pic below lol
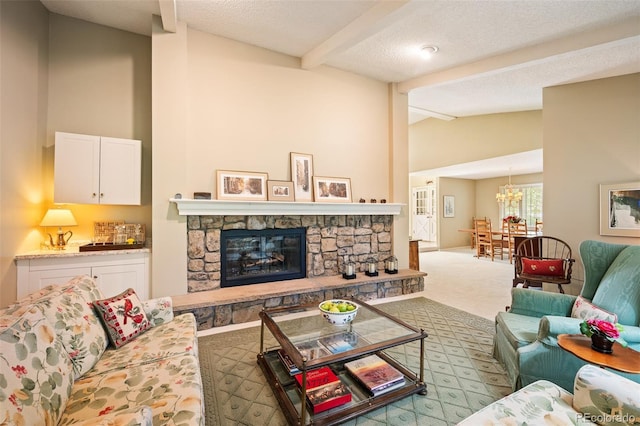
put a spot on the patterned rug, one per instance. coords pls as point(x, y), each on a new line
point(461, 375)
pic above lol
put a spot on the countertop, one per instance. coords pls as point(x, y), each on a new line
point(74, 251)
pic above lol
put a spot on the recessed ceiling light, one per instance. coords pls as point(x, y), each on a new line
point(428, 51)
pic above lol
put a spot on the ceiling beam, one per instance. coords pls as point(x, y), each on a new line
point(370, 22)
point(169, 15)
point(529, 55)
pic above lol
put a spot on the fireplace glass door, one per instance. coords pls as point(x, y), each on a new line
point(258, 256)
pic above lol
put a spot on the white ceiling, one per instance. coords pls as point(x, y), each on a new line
point(494, 55)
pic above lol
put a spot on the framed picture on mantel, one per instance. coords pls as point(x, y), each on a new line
point(301, 175)
point(247, 186)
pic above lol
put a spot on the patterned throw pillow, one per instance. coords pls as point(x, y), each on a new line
point(123, 316)
point(36, 374)
point(544, 267)
point(585, 310)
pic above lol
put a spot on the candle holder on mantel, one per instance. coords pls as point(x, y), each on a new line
point(349, 271)
point(391, 265)
point(372, 267)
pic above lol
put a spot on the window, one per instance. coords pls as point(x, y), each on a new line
point(529, 208)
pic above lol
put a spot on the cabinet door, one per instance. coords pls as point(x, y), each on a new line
point(40, 279)
point(120, 171)
point(76, 169)
point(115, 279)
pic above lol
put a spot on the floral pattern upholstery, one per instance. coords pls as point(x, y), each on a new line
point(77, 325)
point(170, 387)
point(175, 338)
point(36, 374)
point(52, 337)
point(601, 397)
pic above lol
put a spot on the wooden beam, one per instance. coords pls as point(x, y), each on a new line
point(169, 15)
point(370, 22)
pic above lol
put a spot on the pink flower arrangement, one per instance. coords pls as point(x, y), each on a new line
point(512, 219)
point(606, 329)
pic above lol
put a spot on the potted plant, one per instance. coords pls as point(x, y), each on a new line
point(603, 334)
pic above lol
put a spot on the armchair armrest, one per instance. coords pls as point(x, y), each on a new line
point(551, 326)
point(539, 303)
point(592, 382)
point(159, 311)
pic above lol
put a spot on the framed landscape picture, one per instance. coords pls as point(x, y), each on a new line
point(280, 190)
point(301, 175)
point(332, 189)
point(620, 209)
point(234, 185)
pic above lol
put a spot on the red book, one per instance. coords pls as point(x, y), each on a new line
point(324, 389)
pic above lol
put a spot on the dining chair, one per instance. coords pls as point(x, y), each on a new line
point(538, 227)
point(515, 229)
point(486, 242)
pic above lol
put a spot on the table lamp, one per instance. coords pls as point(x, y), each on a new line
point(59, 218)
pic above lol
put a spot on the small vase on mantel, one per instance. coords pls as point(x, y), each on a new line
point(601, 344)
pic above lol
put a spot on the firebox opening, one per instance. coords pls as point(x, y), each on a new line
point(258, 256)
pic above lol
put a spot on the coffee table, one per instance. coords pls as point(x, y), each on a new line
point(622, 359)
point(373, 331)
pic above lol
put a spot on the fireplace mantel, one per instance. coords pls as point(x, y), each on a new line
point(191, 207)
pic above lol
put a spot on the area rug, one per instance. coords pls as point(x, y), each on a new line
point(461, 375)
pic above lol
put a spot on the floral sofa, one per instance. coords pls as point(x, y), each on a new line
point(68, 356)
point(600, 397)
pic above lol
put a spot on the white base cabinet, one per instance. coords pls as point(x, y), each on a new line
point(114, 273)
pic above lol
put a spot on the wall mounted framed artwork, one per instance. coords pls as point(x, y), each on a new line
point(620, 209)
point(236, 185)
point(449, 209)
point(280, 190)
point(332, 189)
point(301, 175)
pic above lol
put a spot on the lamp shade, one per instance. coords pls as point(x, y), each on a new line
point(58, 217)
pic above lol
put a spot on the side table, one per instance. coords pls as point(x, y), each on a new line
point(622, 359)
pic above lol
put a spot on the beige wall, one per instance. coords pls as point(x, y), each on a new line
point(23, 71)
point(99, 85)
point(246, 109)
point(437, 143)
point(591, 137)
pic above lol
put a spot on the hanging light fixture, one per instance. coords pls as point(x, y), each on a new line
point(510, 194)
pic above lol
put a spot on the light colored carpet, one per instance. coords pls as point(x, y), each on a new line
point(461, 375)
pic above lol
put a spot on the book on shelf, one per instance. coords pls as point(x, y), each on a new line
point(288, 362)
point(324, 389)
point(376, 374)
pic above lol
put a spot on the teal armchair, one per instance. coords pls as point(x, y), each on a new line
point(526, 341)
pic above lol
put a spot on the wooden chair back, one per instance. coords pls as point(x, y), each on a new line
point(543, 248)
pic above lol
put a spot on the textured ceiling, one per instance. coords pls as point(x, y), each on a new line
point(494, 56)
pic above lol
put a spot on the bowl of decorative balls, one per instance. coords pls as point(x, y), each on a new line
point(338, 311)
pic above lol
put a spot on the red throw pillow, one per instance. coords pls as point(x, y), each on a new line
point(544, 267)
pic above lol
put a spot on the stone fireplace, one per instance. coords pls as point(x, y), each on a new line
point(330, 242)
point(334, 234)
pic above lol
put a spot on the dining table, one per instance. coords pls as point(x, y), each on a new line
point(505, 234)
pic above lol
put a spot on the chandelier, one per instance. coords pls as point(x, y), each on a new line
point(510, 194)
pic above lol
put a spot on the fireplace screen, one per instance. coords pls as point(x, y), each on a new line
point(258, 256)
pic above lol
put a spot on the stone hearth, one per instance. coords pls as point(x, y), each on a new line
point(235, 305)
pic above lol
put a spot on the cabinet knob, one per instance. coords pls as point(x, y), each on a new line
point(101, 195)
point(95, 277)
point(94, 195)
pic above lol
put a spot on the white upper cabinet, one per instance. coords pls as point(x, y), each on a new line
point(96, 170)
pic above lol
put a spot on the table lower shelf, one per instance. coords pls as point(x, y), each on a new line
point(289, 395)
